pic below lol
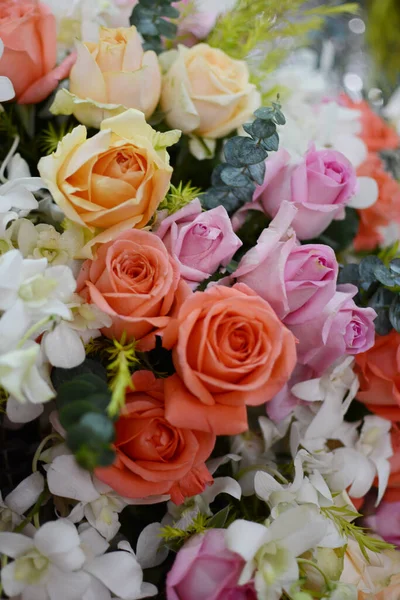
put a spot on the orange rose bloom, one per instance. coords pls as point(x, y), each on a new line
point(384, 211)
point(28, 31)
point(137, 283)
point(154, 457)
point(379, 373)
point(230, 349)
point(376, 133)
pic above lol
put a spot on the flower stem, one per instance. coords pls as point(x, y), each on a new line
point(32, 330)
point(304, 561)
point(40, 448)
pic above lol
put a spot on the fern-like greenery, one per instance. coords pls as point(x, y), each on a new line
point(179, 196)
point(255, 29)
point(49, 138)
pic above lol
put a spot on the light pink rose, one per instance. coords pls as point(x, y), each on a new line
point(341, 328)
point(194, 24)
point(386, 522)
point(205, 569)
point(320, 187)
point(297, 281)
point(199, 241)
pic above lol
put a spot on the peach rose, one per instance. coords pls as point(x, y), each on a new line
point(109, 77)
point(206, 92)
point(376, 133)
point(28, 31)
point(229, 349)
point(112, 181)
point(379, 373)
point(137, 283)
point(154, 457)
point(384, 211)
point(391, 591)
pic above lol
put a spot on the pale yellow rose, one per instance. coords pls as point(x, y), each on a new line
point(109, 77)
point(205, 92)
point(112, 181)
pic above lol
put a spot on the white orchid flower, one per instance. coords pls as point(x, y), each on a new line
point(270, 550)
point(6, 87)
point(17, 502)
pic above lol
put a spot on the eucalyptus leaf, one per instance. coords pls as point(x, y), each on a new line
point(394, 313)
point(271, 144)
point(234, 177)
point(383, 325)
point(263, 129)
point(349, 274)
point(368, 266)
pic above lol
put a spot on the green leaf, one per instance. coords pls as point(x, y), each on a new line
point(262, 128)
point(167, 29)
point(340, 234)
point(257, 172)
point(71, 413)
point(234, 177)
point(99, 427)
point(219, 519)
point(89, 366)
point(383, 325)
point(271, 144)
point(242, 151)
point(105, 458)
point(265, 112)
point(368, 267)
point(394, 313)
point(349, 274)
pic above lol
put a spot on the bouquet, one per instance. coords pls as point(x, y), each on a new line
point(199, 308)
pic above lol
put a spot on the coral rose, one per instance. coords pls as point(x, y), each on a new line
point(376, 133)
point(112, 181)
point(205, 92)
point(379, 374)
point(137, 283)
point(109, 77)
point(230, 349)
point(28, 31)
point(385, 211)
point(154, 457)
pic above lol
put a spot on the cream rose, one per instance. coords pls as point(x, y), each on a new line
point(109, 77)
point(205, 92)
point(113, 181)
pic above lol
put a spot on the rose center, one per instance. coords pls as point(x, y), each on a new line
point(335, 171)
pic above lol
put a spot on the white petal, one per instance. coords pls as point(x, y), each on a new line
point(96, 591)
point(352, 147)
point(119, 572)
point(57, 537)
point(366, 195)
point(66, 478)
point(299, 528)
point(6, 89)
point(383, 470)
point(93, 543)
point(64, 347)
point(222, 485)
point(147, 590)
point(245, 538)
point(265, 485)
point(14, 544)
point(149, 550)
point(67, 586)
point(26, 493)
point(310, 390)
point(214, 463)
point(22, 413)
point(12, 586)
point(18, 168)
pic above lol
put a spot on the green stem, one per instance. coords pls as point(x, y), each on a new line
point(4, 561)
point(304, 561)
point(40, 449)
point(34, 512)
point(32, 330)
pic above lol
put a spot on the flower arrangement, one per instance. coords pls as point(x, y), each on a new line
point(199, 309)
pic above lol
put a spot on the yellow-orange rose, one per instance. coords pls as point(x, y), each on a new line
point(206, 92)
point(109, 77)
point(113, 181)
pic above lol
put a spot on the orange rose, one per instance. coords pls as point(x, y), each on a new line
point(28, 31)
point(230, 349)
point(154, 457)
point(136, 282)
point(384, 211)
point(379, 373)
point(376, 133)
point(112, 181)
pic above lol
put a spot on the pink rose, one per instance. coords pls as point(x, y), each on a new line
point(341, 328)
point(205, 569)
point(297, 281)
point(199, 241)
point(320, 187)
point(194, 24)
point(386, 522)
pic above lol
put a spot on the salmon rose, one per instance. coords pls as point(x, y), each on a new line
point(136, 283)
point(154, 457)
point(376, 133)
point(229, 349)
point(28, 32)
point(379, 372)
point(112, 181)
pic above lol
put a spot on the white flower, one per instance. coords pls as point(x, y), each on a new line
point(270, 551)
point(392, 110)
point(6, 87)
point(46, 566)
point(16, 193)
point(97, 502)
point(19, 501)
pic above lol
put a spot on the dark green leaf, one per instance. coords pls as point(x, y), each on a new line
point(244, 194)
point(263, 129)
point(100, 426)
point(383, 275)
point(70, 414)
point(242, 151)
point(367, 268)
point(219, 519)
point(257, 172)
point(216, 180)
point(394, 313)
point(166, 28)
point(106, 457)
point(340, 234)
point(147, 27)
point(279, 117)
point(234, 177)
point(395, 266)
point(349, 274)
point(272, 143)
point(382, 323)
point(170, 11)
point(59, 376)
point(265, 112)
point(72, 392)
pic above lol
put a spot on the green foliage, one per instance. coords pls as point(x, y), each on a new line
point(340, 515)
point(52, 135)
point(174, 537)
point(82, 402)
point(254, 24)
point(383, 36)
point(379, 287)
point(148, 17)
point(234, 181)
point(178, 196)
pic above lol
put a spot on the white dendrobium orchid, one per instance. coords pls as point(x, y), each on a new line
point(47, 566)
point(357, 467)
point(6, 87)
point(97, 502)
point(19, 501)
point(16, 197)
point(270, 550)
